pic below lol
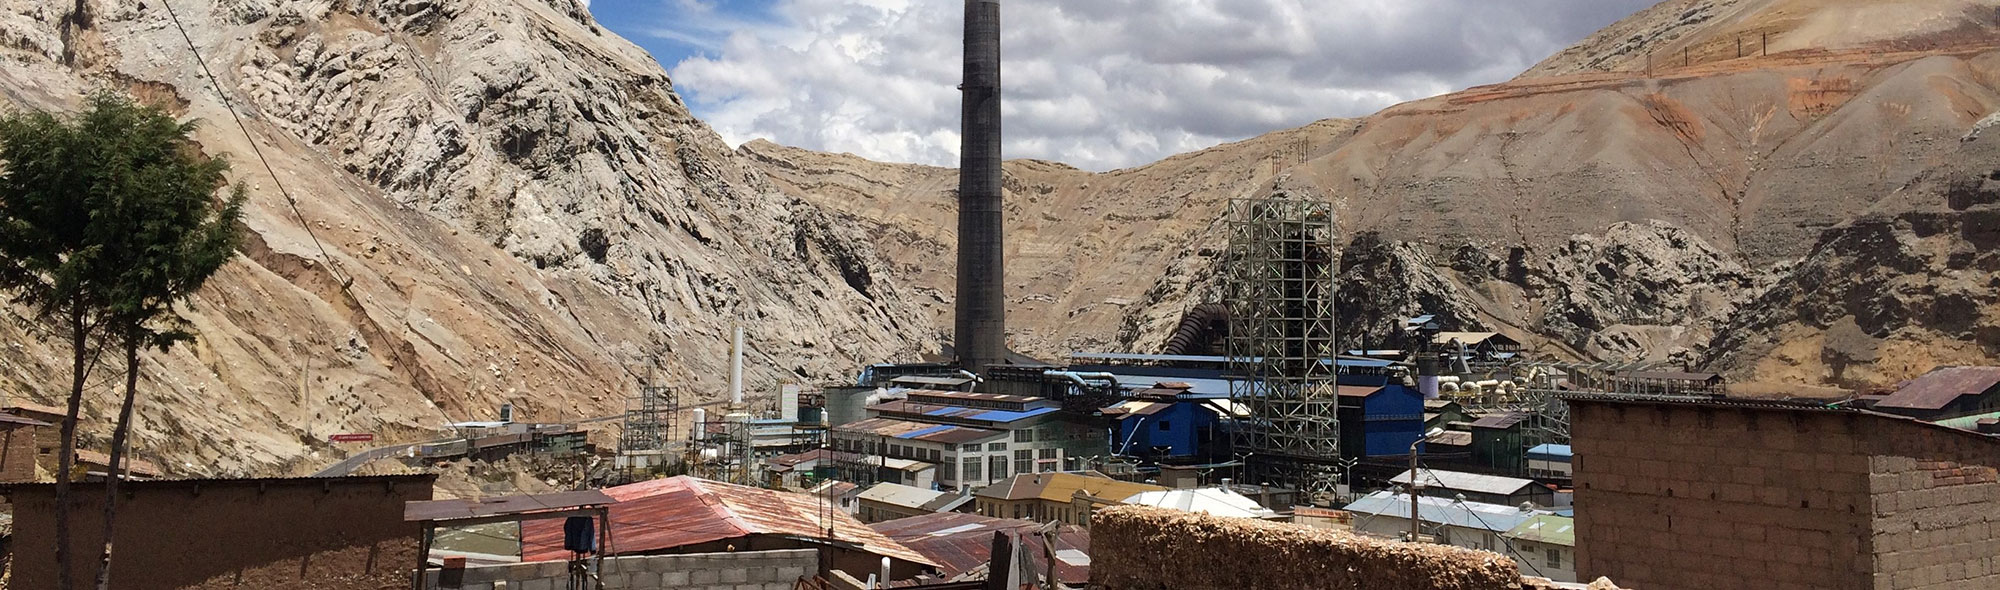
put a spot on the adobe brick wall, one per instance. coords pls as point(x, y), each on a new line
point(308, 533)
point(1673, 497)
point(1937, 511)
point(744, 570)
point(1139, 547)
point(17, 453)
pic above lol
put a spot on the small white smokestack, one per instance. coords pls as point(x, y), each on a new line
point(788, 402)
point(700, 416)
point(736, 369)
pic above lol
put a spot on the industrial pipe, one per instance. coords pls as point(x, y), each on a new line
point(1083, 379)
point(736, 369)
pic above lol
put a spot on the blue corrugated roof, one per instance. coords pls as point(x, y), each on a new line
point(1006, 416)
point(931, 430)
point(1551, 450)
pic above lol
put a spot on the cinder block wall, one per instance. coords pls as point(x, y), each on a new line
point(1137, 547)
point(748, 570)
point(1936, 510)
point(1673, 497)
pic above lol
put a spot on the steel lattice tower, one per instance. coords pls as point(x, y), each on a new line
point(1279, 278)
point(649, 419)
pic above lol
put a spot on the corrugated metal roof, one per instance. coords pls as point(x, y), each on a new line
point(1061, 487)
point(1136, 408)
point(128, 463)
point(1212, 501)
point(26, 407)
point(828, 455)
point(962, 542)
point(924, 431)
point(1472, 515)
point(895, 494)
point(13, 419)
point(1551, 450)
point(914, 408)
point(1506, 420)
point(1547, 528)
point(1454, 438)
point(982, 397)
point(663, 514)
point(929, 380)
point(1359, 390)
point(1470, 482)
point(1938, 388)
point(527, 504)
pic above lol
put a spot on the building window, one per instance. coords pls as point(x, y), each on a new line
point(1166, 425)
point(972, 471)
point(1555, 558)
point(1027, 466)
point(998, 465)
point(971, 448)
point(1024, 454)
point(936, 455)
point(1046, 454)
point(996, 447)
point(1024, 435)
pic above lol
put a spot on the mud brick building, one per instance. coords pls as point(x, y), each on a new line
point(1723, 494)
point(344, 533)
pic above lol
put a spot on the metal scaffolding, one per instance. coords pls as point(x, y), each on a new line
point(649, 419)
point(1279, 277)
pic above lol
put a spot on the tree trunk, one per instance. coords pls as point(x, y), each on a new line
point(118, 434)
point(66, 449)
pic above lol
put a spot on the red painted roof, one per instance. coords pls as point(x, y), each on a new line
point(1937, 389)
point(663, 514)
point(962, 542)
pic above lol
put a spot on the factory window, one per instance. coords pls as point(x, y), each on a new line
point(1166, 425)
point(974, 447)
point(936, 455)
point(972, 471)
point(1555, 558)
point(1024, 454)
point(998, 465)
point(999, 446)
point(1027, 466)
point(1046, 454)
point(1024, 435)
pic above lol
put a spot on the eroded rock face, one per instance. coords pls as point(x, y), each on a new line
point(517, 208)
point(1886, 297)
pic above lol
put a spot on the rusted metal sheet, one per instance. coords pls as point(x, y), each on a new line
point(462, 509)
point(660, 515)
point(962, 542)
point(1939, 388)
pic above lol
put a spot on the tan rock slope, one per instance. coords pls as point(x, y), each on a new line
point(1605, 210)
point(526, 212)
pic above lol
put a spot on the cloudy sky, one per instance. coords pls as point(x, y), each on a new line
point(1099, 84)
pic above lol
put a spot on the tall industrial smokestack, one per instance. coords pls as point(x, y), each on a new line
point(981, 318)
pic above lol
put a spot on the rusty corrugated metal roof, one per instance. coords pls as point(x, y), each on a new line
point(13, 419)
point(527, 504)
point(1938, 388)
point(962, 542)
point(663, 514)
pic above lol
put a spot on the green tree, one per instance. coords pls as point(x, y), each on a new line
point(112, 219)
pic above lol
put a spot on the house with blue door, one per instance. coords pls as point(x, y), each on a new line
point(1379, 420)
point(1166, 423)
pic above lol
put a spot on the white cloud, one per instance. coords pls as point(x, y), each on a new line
point(1099, 83)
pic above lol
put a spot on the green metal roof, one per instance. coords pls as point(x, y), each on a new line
point(1966, 422)
point(1548, 528)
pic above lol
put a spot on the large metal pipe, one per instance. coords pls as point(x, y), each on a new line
point(980, 330)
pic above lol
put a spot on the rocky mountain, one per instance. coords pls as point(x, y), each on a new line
point(496, 201)
point(1911, 284)
point(1598, 206)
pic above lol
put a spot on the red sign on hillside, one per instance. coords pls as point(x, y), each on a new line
point(351, 437)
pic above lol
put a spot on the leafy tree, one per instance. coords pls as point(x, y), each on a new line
point(112, 219)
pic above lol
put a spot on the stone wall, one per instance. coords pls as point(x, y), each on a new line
point(1702, 496)
point(749, 570)
point(1136, 547)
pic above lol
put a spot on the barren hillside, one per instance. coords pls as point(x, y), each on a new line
point(1625, 214)
point(526, 212)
